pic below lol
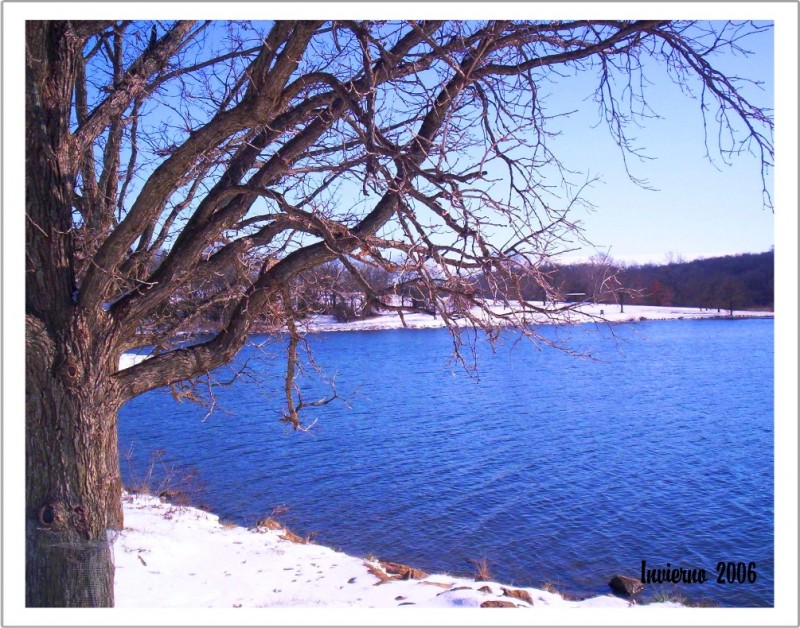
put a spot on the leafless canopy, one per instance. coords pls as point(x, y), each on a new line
point(218, 165)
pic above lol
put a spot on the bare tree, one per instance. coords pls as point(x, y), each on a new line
point(603, 284)
point(181, 168)
point(730, 293)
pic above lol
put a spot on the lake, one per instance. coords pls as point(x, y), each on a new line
point(551, 468)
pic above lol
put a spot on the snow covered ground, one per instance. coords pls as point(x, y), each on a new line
point(178, 556)
point(583, 314)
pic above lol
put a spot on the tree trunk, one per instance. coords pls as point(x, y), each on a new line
point(73, 490)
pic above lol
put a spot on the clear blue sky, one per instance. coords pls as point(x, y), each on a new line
point(700, 208)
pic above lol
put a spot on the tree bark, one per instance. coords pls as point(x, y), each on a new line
point(72, 461)
point(72, 474)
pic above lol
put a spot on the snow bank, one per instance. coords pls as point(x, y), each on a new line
point(176, 556)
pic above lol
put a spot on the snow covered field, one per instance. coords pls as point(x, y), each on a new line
point(177, 556)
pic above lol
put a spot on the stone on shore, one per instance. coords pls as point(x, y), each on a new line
point(623, 585)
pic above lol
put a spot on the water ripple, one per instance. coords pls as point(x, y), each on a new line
point(552, 468)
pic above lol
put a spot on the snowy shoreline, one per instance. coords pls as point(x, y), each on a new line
point(585, 313)
point(178, 556)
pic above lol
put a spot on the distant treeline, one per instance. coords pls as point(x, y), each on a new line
point(739, 282)
point(358, 290)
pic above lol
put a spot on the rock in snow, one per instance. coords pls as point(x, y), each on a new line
point(625, 585)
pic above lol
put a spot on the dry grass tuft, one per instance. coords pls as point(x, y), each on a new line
point(481, 567)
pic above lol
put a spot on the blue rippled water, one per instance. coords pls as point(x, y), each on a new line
point(550, 467)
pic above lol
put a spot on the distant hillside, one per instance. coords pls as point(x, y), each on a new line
point(739, 282)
